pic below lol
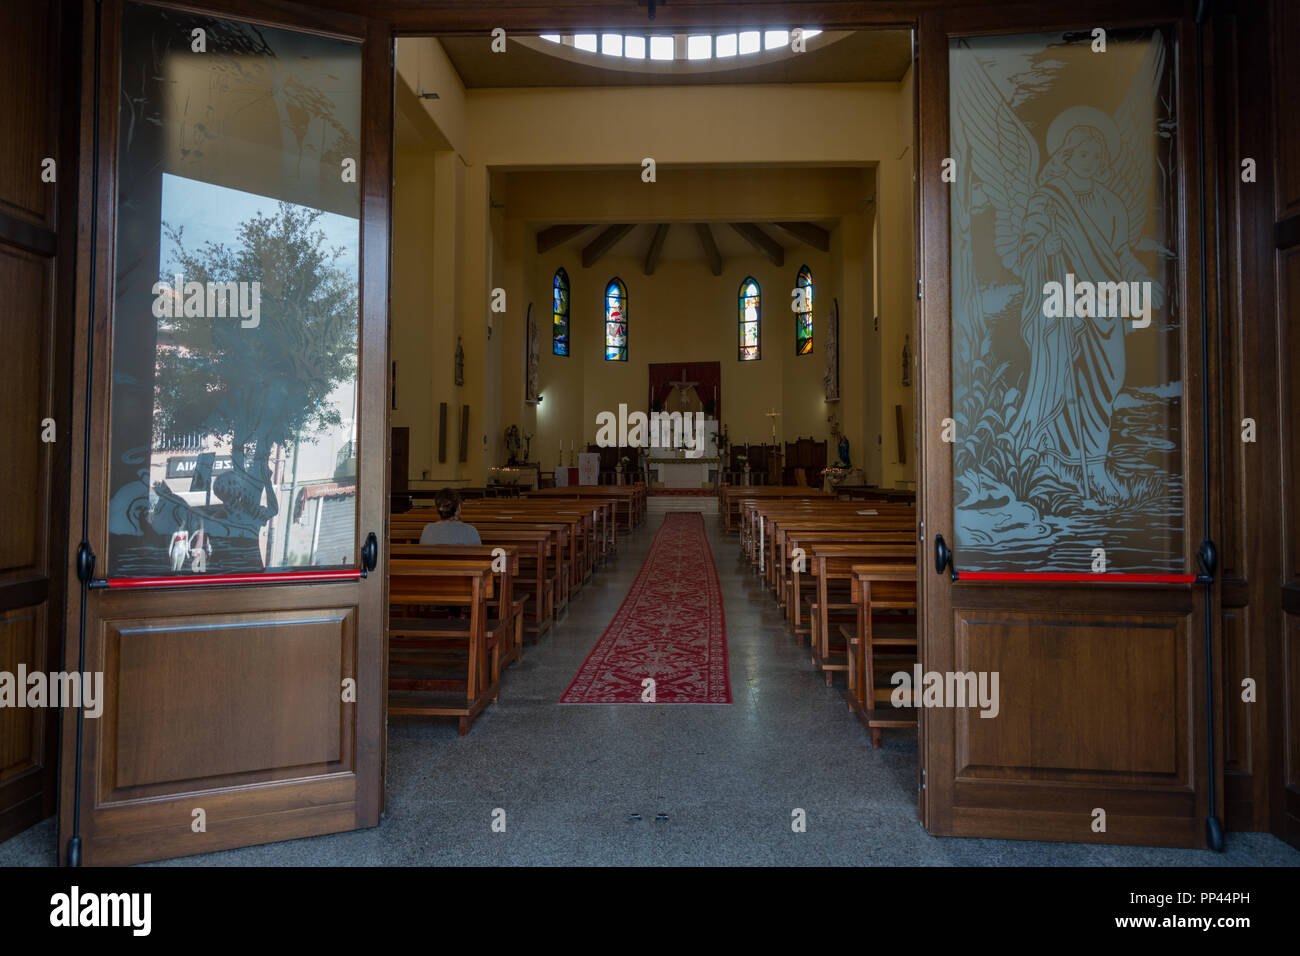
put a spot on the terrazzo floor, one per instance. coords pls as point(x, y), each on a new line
point(725, 778)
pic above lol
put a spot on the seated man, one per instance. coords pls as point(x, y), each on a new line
point(450, 529)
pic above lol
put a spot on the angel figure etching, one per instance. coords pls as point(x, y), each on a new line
point(1082, 213)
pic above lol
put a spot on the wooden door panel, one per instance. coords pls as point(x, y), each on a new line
point(204, 701)
point(1073, 691)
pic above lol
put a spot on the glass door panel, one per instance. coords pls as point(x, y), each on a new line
point(1066, 319)
point(234, 391)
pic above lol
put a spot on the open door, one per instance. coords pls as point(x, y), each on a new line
point(1064, 492)
point(233, 386)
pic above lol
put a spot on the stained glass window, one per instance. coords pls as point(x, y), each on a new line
point(560, 314)
point(749, 318)
point(803, 312)
point(615, 321)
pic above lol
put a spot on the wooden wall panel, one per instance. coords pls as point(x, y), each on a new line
point(1237, 714)
point(1286, 71)
point(30, 116)
point(38, 85)
point(1288, 282)
point(198, 701)
point(22, 641)
point(26, 279)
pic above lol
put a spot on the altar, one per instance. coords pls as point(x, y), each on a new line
point(681, 472)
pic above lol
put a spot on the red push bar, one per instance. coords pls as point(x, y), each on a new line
point(1047, 577)
point(219, 580)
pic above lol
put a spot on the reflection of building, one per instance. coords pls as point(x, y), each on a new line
point(317, 494)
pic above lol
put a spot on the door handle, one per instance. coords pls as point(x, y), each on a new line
point(370, 553)
point(942, 554)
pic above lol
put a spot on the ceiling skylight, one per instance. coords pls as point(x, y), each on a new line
point(697, 46)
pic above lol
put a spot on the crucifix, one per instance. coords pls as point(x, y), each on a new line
point(774, 415)
point(683, 385)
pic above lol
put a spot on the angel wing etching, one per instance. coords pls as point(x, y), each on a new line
point(1080, 213)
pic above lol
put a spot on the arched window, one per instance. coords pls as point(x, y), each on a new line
point(803, 313)
point(749, 317)
point(615, 321)
point(560, 314)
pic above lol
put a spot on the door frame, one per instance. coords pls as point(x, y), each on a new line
point(268, 814)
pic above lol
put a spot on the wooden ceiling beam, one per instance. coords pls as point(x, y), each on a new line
point(552, 236)
point(810, 233)
point(603, 243)
point(656, 247)
point(710, 247)
point(761, 241)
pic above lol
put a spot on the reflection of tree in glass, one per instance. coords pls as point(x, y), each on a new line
point(259, 387)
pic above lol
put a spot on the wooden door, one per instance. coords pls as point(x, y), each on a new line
point(38, 182)
point(1063, 450)
point(237, 456)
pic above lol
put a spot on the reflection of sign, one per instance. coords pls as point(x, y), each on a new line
point(187, 466)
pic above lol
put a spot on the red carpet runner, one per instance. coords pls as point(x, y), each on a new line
point(669, 628)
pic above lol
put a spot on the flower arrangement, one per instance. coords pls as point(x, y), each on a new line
point(835, 474)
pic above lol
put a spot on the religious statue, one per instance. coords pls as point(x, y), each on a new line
point(831, 379)
point(907, 361)
point(512, 445)
point(843, 449)
point(530, 383)
point(460, 362)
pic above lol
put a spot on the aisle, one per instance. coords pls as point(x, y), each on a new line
point(667, 643)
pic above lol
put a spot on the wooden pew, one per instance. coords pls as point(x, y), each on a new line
point(778, 526)
point(406, 529)
point(535, 574)
point(634, 496)
point(732, 495)
point(795, 583)
point(832, 564)
point(442, 668)
point(507, 605)
point(877, 590)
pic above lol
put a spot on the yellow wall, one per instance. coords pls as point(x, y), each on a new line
point(506, 147)
point(412, 291)
point(898, 297)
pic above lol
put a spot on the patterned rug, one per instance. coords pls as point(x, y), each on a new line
point(669, 629)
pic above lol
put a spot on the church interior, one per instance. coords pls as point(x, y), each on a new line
point(527, 170)
point(652, 445)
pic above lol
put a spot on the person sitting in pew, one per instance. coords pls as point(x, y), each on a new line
point(450, 529)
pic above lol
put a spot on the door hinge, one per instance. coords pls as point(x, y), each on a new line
point(922, 536)
point(922, 778)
